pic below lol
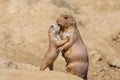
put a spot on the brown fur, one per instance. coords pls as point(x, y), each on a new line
point(52, 52)
point(74, 51)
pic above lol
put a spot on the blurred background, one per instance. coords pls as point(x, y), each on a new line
point(24, 33)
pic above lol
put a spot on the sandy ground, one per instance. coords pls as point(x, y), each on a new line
point(24, 40)
point(35, 75)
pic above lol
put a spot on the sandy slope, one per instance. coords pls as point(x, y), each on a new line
point(35, 75)
point(11, 70)
point(24, 25)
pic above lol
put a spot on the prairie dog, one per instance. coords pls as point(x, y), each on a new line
point(74, 51)
point(52, 52)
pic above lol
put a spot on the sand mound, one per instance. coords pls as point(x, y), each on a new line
point(35, 75)
point(11, 70)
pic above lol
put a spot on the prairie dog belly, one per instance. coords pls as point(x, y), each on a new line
point(66, 35)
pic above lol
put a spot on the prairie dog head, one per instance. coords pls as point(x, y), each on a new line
point(65, 21)
point(53, 30)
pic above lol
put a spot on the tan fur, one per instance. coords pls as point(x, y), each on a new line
point(52, 52)
point(74, 51)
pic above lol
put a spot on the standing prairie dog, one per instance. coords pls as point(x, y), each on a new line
point(74, 51)
point(52, 52)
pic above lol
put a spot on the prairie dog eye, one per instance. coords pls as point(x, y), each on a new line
point(52, 26)
point(65, 17)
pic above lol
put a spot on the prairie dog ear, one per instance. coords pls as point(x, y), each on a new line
point(74, 21)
